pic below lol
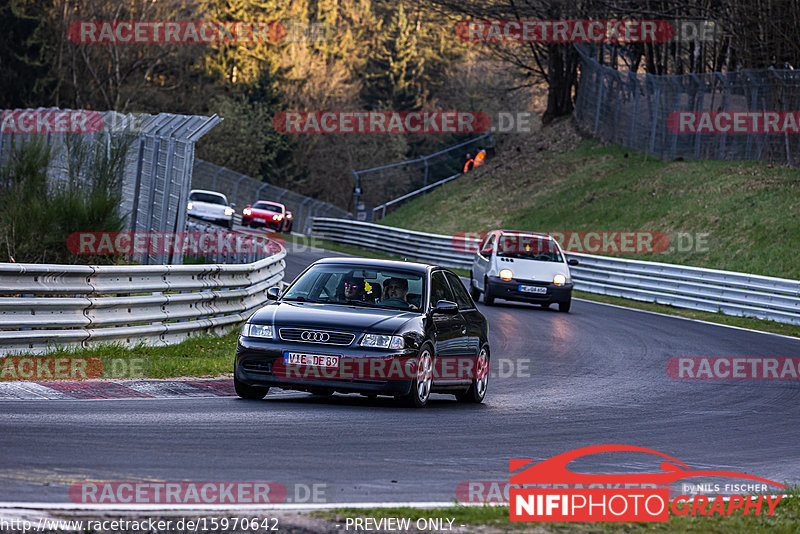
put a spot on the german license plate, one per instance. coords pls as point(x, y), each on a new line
point(533, 289)
point(310, 360)
point(256, 219)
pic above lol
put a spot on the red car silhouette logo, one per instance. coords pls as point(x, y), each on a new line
point(554, 470)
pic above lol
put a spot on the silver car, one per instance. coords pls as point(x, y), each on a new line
point(210, 206)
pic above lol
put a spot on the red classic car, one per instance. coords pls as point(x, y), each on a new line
point(273, 215)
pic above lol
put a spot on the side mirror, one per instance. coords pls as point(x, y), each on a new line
point(573, 261)
point(273, 293)
point(446, 307)
point(233, 204)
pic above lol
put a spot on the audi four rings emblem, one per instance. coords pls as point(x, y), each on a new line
point(321, 337)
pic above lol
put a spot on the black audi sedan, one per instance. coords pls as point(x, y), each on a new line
point(374, 327)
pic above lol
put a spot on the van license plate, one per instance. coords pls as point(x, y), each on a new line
point(533, 289)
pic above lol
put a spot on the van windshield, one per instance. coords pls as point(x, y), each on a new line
point(209, 198)
point(528, 247)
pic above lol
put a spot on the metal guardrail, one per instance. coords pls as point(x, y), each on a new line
point(731, 293)
point(43, 306)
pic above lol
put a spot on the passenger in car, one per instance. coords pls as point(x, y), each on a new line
point(394, 293)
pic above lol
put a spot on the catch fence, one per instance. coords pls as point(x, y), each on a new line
point(634, 109)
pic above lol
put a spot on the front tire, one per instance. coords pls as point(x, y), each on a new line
point(477, 390)
point(474, 292)
point(422, 382)
point(249, 392)
point(488, 298)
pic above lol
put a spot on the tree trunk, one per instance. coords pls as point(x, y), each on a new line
point(562, 71)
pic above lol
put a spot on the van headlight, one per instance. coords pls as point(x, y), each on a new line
point(258, 330)
point(559, 279)
point(506, 275)
point(382, 342)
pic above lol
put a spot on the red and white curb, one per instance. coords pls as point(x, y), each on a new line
point(117, 389)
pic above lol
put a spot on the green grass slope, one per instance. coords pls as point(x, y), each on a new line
point(555, 181)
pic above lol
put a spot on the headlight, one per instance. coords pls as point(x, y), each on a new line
point(506, 274)
point(189, 206)
point(559, 279)
point(258, 330)
point(229, 211)
point(382, 342)
point(246, 211)
point(277, 217)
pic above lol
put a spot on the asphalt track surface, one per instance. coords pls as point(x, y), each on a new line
point(593, 376)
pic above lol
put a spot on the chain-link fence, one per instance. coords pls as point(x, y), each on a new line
point(243, 190)
point(379, 185)
point(157, 173)
point(640, 111)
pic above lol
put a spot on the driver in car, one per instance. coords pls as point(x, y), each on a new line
point(394, 293)
point(353, 288)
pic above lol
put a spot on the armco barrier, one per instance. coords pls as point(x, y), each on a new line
point(43, 306)
point(731, 293)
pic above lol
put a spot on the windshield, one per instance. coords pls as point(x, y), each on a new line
point(359, 286)
point(266, 206)
point(528, 247)
point(210, 198)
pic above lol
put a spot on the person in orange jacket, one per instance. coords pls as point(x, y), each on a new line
point(480, 157)
point(470, 163)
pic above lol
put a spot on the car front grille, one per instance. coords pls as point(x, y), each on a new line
point(321, 337)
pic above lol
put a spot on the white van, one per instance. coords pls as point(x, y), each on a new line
point(524, 266)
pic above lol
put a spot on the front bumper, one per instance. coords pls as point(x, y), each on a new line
point(223, 220)
point(510, 291)
point(270, 223)
point(258, 363)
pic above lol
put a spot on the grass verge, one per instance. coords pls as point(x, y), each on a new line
point(738, 216)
